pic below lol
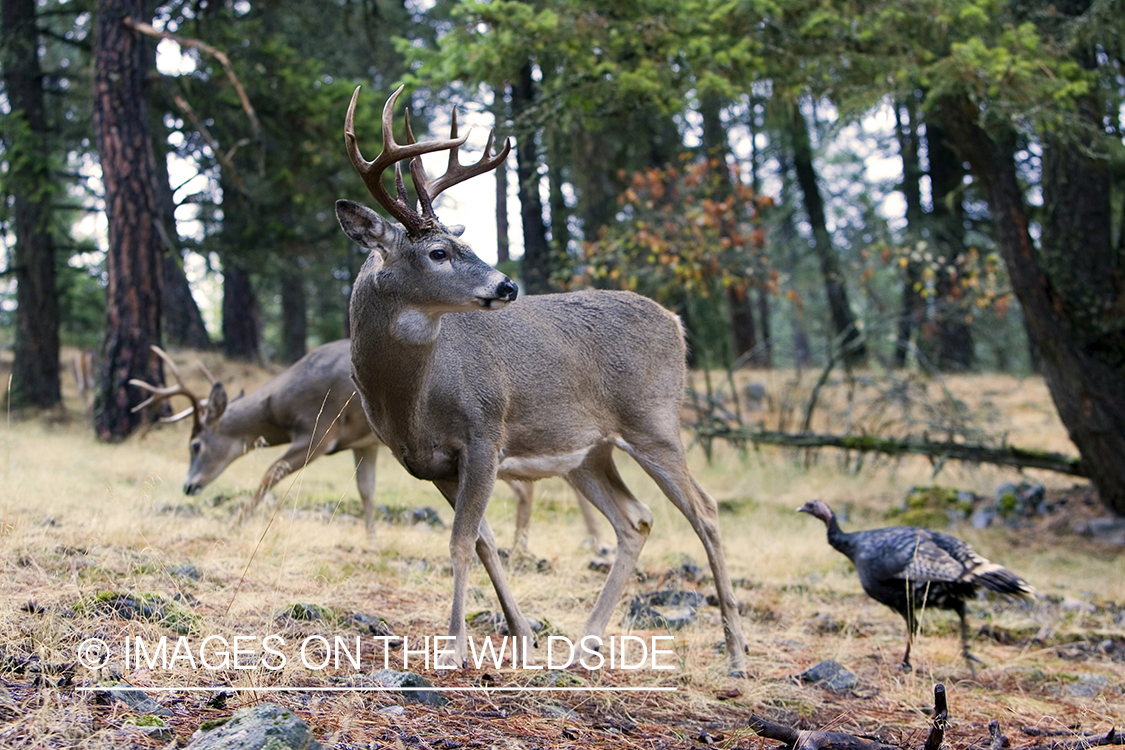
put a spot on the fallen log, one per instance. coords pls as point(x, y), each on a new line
point(1082, 742)
point(798, 739)
point(1021, 458)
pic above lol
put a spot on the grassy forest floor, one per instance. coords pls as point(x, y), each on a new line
point(95, 538)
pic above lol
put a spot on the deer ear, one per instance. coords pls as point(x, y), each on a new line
point(216, 403)
point(365, 227)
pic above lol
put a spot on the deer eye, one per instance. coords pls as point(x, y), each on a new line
point(195, 448)
point(439, 255)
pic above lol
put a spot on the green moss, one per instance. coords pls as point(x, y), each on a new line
point(210, 724)
point(1008, 504)
point(308, 613)
point(927, 519)
point(146, 721)
point(152, 607)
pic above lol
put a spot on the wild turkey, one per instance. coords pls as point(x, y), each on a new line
point(908, 568)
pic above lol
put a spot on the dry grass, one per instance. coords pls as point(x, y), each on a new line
point(78, 519)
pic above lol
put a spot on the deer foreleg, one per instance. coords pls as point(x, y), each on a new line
point(594, 533)
point(296, 457)
point(469, 498)
point(365, 482)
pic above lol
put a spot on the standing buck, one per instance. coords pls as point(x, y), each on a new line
point(544, 386)
point(312, 406)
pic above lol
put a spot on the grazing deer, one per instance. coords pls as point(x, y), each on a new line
point(300, 407)
point(466, 384)
point(311, 406)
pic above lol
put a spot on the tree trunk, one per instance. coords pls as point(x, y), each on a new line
point(35, 367)
point(500, 112)
point(536, 265)
point(739, 299)
point(294, 323)
point(183, 323)
point(843, 318)
point(1071, 290)
point(910, 318)
point(241, 321)
point(765, 359)
point(134, 262)
point(955, 337)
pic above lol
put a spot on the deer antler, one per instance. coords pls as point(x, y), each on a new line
point(456, 172)
point(393, 153)
point(163, 393)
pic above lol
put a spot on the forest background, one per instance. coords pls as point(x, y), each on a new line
point(926, 186)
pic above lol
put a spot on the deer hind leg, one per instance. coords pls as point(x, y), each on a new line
point(485, 545)
point(365, 482)
point(597, 479)
point(523, 491)
point(663, 459)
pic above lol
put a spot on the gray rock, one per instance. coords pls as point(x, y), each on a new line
point(983, 516)
point(264, 727)
point(1071, 604)
point(391, 678)
point(392, 711)
point(830, 674)
point(1087, 686)
point(1105, 530)
point(664, 610)
point(136, 700)
point(554, 710)
point(187, 570)
point(368, 623)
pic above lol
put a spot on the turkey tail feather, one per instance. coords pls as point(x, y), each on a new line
point(1001, 580)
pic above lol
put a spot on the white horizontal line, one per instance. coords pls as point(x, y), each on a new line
point(361, 689)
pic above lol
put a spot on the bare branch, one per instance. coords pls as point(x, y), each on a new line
point(218, 54)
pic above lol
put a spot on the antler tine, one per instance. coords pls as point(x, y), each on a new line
point(207, 373)
point(456, 172)
point(162, 393)
point(372, 171)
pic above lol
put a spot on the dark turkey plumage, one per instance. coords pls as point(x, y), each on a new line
point(908, 568)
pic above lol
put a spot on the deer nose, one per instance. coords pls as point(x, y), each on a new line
point(192, 488)
point(507, 290)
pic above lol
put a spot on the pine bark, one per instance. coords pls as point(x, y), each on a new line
point(536, 264)
point(134, 261)
point(843, 318)
point(954, 336)
point(500, 112)
point(183, 323)
point(35, 367)
point(294, 318)
point(1072, 289)
point(241, 319)
point(910, 316)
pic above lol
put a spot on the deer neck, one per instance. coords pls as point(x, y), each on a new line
point(250, 419)
point(396, 381)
